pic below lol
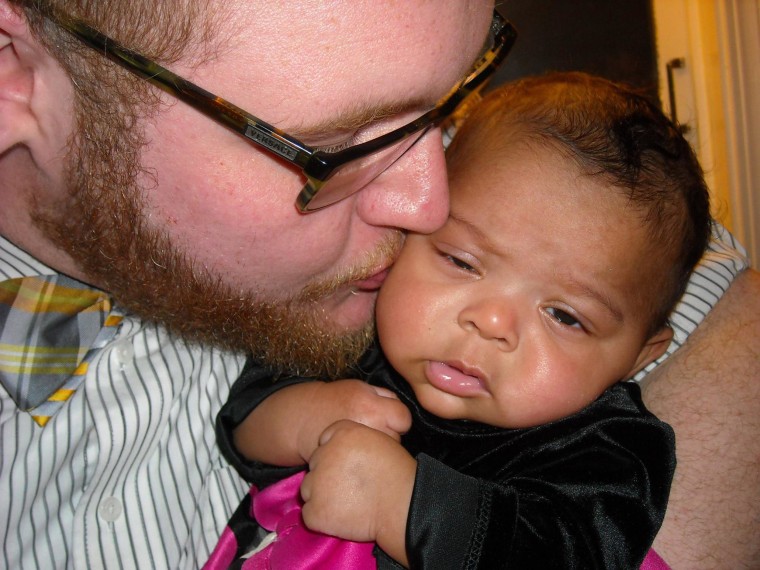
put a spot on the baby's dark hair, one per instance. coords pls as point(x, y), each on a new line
point(611, 130)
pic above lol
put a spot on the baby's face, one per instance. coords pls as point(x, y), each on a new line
point(523, 308)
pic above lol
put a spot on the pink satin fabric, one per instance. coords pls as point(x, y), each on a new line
point(278, 508)
point(654, 562)
point(224, 552)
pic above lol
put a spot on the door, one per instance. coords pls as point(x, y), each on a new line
point(708, 61)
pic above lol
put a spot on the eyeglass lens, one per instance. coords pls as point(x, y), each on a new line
point(355, 175)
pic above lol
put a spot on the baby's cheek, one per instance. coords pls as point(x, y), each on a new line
point(392, 304)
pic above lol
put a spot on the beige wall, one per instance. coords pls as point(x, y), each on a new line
point(718, 95)
point(687, 29)
point(713, 113)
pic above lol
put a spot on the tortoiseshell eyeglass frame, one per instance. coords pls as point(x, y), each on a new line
point(318, 166)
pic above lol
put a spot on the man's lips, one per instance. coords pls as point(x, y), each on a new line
point(455, 378)
point(371, 283)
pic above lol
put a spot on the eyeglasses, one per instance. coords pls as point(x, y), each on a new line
point(330, 176)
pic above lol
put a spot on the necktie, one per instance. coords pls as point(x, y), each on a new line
point(48, 326)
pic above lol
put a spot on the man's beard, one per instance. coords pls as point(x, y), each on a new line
point(102, 225)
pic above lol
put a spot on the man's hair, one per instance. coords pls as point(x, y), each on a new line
point(611, 130)
point(164, 30)
point(161, 30)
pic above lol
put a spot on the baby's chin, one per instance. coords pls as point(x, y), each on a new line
point(444, 405)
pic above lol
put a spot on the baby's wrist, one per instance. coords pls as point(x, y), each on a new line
point(392, 520)
point(313, 423)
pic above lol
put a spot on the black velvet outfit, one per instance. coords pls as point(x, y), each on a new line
point(586, 491)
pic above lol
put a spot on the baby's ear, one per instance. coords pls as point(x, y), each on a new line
point(30, 81)
point(654, 347)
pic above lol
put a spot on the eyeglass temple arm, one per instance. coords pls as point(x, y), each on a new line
point(215, 107)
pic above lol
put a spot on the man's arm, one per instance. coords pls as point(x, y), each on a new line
point(709, 392)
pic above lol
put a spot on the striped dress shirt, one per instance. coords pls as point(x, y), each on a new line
point(724, 259)
point(127, 474)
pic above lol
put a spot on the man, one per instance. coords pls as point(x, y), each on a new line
point(194, 233)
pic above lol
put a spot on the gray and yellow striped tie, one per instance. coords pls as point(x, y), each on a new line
point(49, 325)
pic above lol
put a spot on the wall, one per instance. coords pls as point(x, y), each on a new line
point(612, 38)
point(738, 23)
point(719, 91)
point(687, 30)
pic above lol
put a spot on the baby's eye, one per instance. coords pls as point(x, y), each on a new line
point(563, 317)
point(461, 264)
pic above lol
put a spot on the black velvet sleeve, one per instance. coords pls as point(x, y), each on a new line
point(588, 491)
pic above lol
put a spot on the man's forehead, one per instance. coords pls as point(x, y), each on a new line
point(366, 59)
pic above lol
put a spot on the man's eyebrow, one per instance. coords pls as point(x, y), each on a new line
point(360, 116)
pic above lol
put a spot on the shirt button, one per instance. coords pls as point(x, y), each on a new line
point(124, 352)
point(110, 509)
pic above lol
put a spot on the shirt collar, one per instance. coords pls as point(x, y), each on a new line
point(15, 262)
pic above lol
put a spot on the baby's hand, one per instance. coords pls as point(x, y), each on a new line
point(353, 400)
point(359, 487)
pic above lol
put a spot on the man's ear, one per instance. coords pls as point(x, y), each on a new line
point(654, 347)
point(30, 79)
point(16, 79)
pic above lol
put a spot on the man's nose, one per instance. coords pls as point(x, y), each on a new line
point(413, 193)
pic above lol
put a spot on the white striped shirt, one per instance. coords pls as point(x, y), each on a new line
point(725, 259)
point(127, 474)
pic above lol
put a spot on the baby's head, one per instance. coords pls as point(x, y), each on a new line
point(618, 136)
point(577, 213)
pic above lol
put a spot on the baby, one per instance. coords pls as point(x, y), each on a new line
point(493, 429)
